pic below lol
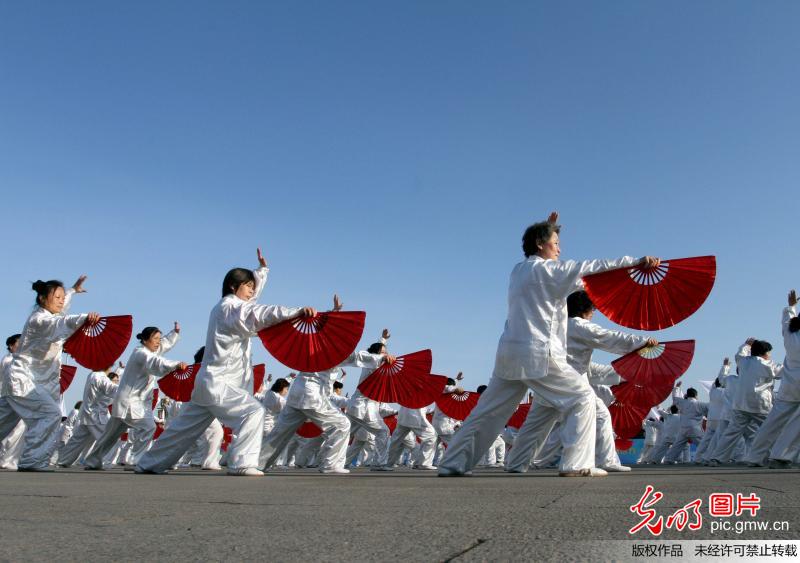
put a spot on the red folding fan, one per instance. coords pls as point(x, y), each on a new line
point(646, 396)
point(309, 430)
point(66, 377)
point(653, 298)
point(227, 438)
point(319, 343)
point(458, 405)
point(407, 381)
point(391, 422)
point(259, 372)
point(159, 429)
point(97, 346)
point(656, 365)
point(154, 402)
point(178, 384)
point(626, 418)
point(518, 418)
point(623, 444)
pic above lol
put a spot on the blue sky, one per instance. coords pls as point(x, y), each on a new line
point(394, 153)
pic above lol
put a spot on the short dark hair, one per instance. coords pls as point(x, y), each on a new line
point(480, 389)
point(147, 333)
point(536, 234)
point(760, 347)
point(338, 385)
point(579, 303)
point(673, 409)
point(279, 385)
point(11, 340)
point(78, 405)
point(691, 392)
point(43, 289)
point(451, 381)
point(717, 382)
point(198, 356)
point(235, 278)
point(376, 347)
point(794, 324)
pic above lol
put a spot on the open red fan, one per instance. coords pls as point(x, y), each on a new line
point(407, 381)
point(259, 371)
point(623, 444)
point(458, 405)
point(97, 346)
point(154, 402)
point(391, 422)
point(626, 418)
point(641, 395)
point(66, 376)
point(518, 418)
point(319, 343)
point(178, 385)
point(653, 298)
point(309, 430)
point(656, 365)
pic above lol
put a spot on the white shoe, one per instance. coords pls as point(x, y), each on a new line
point(245, 472)
point(335, 471)
point(617, 468)
point(425, 467)
point(588, 472)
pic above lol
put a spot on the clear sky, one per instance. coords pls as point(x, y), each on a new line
point(394, 152)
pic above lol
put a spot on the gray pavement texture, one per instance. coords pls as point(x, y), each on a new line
point(76, 515)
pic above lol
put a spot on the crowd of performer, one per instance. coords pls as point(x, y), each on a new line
point(545, 352)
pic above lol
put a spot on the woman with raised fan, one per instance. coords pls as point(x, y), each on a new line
point(310, 399)
point(532, 354)
point(364, 413)
point(222, 386)
point(583, 337)
point(131, 408)
point(31, 385)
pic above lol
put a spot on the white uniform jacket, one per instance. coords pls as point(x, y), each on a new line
point(311, 390)
point(37, 360)
point(232, 323)
point(98, 393)
point(753, 390)
point(134, 395)
point(692, 411)
point(583, 337)
point(536, 327)
point(790, 383)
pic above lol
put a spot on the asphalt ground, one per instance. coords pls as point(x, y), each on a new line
point(297, 515)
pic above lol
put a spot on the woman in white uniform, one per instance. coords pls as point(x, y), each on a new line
point(222, 384)
point(31, 385)
point(131, 408)
point(532, 354)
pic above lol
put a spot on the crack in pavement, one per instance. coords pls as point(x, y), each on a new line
point(36, 496)
point(473, 545)
point(558, 498)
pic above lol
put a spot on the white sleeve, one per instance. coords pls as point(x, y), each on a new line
point(568, 274)
point(253, 317)
point(168, 341)
point(159, 366)
point(364, 359)
point(601, 374)
point(261, 281)
point(612, 341)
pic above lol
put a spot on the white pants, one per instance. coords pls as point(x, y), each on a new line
point(335, 431)
point(685, 434)
point(239, 411)
point(743, 424)
point(140, 433)
point(547, 455)
point(11, 447)
point(427, 436)
point(705, 443)
point(207, 448)
point(379, 430)
point(562, 394)
point(42, 416)
point(660, 450)
point(778, 436)
point(83, 438)
point(644, 457)
point(441, 447)
point(496, 453)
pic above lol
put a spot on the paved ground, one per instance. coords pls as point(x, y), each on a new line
point(301, 515)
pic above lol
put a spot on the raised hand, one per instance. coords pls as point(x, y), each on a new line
point(726, 362)
point(78, 285)
point(553, 218)
point(269, 378)
point(337, 304)
point(792, 298)
point(93, 318)
point(750, 341)
point(121, 365)
point(177, 327)
point(460, 376)
point(386, 335)
point(344, 374)
point(262, 262)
